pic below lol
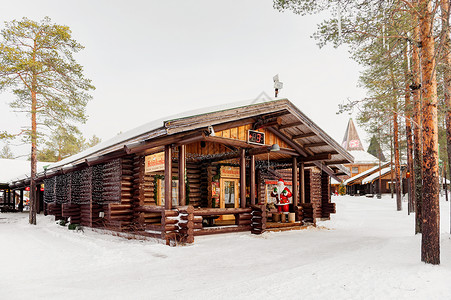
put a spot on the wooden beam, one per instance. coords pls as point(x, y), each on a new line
point(230, 142)
point(288, 125)
point(180, 139)
point(182, 167)
point(101, 159)
point(287, 140)
point(336, 162)
point(325, 156)
point(168, 177)
point(243, 178)
point(294, 170)
point(312, 145)
point(252, 181)
point(304, 135)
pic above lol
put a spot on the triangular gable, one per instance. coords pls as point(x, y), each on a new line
point(351, 140)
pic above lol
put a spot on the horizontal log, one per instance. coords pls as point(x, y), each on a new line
point(170, 227)
point(244, 222)
point(220, 211)
point(171, 213)
point(213, 230)
point(186, 209)
point(245, 216)
point(149, 208)
point(170, 221)
point(122, 212)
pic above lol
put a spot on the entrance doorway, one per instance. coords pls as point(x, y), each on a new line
point(229, 195)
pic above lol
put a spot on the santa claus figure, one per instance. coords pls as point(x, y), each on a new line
point(281, 193)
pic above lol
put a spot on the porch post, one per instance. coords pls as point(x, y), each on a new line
point(243, 178)
point(294, 170)
point(21, 201)
point(252, 181)
point(302, 182)
point(182, 166)
point(167, 177)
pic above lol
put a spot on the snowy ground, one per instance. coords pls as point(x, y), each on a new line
point(367, 250)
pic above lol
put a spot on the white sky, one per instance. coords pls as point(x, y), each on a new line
point(150, 59)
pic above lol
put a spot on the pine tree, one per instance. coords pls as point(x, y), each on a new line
point(37, 64)
point(6, 152)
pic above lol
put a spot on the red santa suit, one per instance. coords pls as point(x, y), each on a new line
point(281, 193)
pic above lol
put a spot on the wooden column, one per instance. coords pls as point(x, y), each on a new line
point(294, 170)
point(20, 208)
point(252, 181)
point(243, 178)
point(9, 196)
point(302, 183)
point(167, 177)
point(182, 167)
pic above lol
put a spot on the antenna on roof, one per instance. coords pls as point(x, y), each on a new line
point(277, 85)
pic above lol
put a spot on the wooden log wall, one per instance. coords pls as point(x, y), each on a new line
point(118, 195)
point(55, 210)
point(143, 190)
point(196, 184)
point(258, 220)
point(326, 206)
point(72, 211)
point(315, 191)
point(49, 191)
point(62, 188)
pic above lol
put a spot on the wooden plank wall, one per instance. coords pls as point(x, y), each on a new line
point(240, 133)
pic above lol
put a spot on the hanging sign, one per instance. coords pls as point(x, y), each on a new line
point(255, 137)
point(154, 162)
point(230, 172)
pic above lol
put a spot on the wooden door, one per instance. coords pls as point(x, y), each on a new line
point(229, 195)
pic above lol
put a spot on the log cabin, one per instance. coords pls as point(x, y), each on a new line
point(201, 172)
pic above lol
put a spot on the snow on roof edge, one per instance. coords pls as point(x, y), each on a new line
point(155, 125)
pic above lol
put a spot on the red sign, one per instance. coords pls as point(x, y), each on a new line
point(154, 162)
point(354, 144)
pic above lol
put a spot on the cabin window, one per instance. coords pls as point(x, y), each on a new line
point(175, 192)
point(355, 170)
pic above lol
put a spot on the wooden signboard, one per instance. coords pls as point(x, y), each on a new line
point(230, 172)
point(154, 162)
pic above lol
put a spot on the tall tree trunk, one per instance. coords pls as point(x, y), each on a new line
point(391, 160)
point(417, 130)
point(408, 112)
point(430, 246)
point(33, 202)
point(409, 144)
point(397, 166)
point(445, 6)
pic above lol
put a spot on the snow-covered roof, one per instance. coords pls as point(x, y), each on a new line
point(363, 174)
point(153, 129)
point(334, 181)
point(363, 157)
point(15, 169)
point(376, 175)
point(196, 119)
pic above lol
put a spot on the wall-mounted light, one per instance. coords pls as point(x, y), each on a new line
point(211, 131)
point(274, 148)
